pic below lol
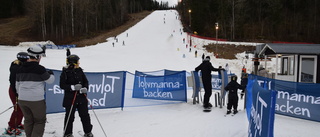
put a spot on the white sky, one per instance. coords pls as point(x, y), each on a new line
point(151, 45)
point(171, 2)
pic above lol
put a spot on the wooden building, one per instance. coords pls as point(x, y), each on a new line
point(295, 62)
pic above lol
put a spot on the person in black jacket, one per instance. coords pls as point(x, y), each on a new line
point(233, 98)
point(206, 68)
point(243, 83)
point(14, 124)
point(75, 84)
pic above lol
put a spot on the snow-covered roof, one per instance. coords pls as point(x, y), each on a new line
point(280, 48)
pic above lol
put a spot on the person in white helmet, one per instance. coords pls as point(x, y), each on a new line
point(30, 83)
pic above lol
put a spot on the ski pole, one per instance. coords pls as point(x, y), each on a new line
point(6, 110)
point(96, 116)
point(74, 98)
point(16, 115)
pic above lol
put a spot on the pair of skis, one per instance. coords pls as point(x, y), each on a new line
point(231, 114)
point(23, 134)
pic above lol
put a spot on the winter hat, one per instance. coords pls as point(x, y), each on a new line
point(207, 58)
point(22, 56)
point(72, 59)
point(234, 78)
point(35, 52)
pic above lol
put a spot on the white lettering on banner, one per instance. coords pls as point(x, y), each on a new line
point(144, 84)
point(290, 98)
point(299, 97)
point(57, 90)
point(215, 83)
point(94, 88)
point(261, 82)
point(292, 110)
point(104, 87)
point(157, 94)
point(288, 108)
point(258, 115)
point(98, 102)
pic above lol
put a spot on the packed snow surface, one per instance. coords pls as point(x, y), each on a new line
point(153, 44)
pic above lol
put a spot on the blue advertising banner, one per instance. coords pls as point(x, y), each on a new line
point(216, 82)
point(106, 90)
point(197, 82)
point(300, 100)
point(166, 87)
point(49, 46)
point(261, 111)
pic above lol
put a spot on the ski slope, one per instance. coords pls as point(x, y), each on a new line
point(155, 43)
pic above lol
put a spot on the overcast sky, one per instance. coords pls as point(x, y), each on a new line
point(171, 2)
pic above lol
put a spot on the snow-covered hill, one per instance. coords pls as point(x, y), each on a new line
point(155, 43)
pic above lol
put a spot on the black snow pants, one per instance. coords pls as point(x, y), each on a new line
point(232, 101)
point(82, 108)
point(207, 90)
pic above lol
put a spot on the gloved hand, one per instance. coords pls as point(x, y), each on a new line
point(77, 87)
point(72, 87)
point(50, 72)
point(83, 90)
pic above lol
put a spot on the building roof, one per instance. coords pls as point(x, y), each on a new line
point(280, 48)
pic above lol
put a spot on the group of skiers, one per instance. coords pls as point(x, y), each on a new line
point(232, 87)
point(27, 89)
point(28, 78)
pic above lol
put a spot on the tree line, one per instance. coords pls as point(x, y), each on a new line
point(60, 20)
point(253, 20)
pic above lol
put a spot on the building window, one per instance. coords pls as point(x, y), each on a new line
point(287, 65)
point(308, 69)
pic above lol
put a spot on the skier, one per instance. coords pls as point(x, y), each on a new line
point(244, 70)
point(227, 68)
point(196, 53)
point(30, 83)
point(263, 72)
point(75, 84)
point(68, 52)
point(14, 124)
point(243, 83)
point(233, 98)
point(206, 68)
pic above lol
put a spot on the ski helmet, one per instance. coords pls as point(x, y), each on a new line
point(22, 56)
point(72, 59)
point(35, 51)
point(234, 78)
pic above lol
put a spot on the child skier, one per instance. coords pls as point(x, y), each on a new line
point(233, 98)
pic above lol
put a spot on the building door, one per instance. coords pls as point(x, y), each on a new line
point(308, 69)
